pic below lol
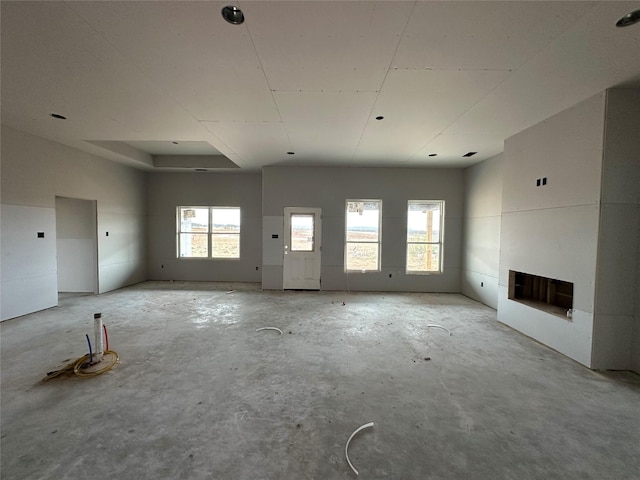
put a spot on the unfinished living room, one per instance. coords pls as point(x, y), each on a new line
point(320, 240)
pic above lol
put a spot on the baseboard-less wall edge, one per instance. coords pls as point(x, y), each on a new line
point(272, 277)
point(480, 287)
point(542, 344)
point(334, 278)
point(23, 296)
point(571, 337)
point(612, 342)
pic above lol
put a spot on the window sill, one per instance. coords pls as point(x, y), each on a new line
point(225, 259)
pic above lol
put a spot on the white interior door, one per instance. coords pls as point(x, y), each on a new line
point(302, 248)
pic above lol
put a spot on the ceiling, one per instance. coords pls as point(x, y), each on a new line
point(170, 85)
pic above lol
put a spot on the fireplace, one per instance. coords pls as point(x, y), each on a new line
point(548, 294)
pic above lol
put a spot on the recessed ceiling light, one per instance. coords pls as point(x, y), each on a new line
point(469, 154)
point(379, 117)
point(433, 154)
point(629, 19)
point(233, 15)
point(200, 169)
point(58, 116)
point(291, 153)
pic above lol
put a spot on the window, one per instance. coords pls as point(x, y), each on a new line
point(362, 245)
point(424, 236)
point(302, 239)
point(208, 232)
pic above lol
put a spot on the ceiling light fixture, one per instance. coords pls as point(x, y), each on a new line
point(58, 116)
point(629, 19)
point(233, 15)
point(379, 118)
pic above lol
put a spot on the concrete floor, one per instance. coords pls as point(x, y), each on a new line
point(199, 394)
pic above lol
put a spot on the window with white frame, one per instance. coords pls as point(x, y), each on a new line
point(425, 233)
point(363, 235)
point(302, 235)
point(208, 232)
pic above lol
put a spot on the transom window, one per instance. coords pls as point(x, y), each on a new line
point(425, 236)
point(363, 235)
point(208, 232)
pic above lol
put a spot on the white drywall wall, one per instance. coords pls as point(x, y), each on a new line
point(167, 191)
point(481, 230)
point(76, 245)
point(328, 188)
point(34, 172)
point(28, 270)
point(272, 251)
point(615, 344)
point(552, 230)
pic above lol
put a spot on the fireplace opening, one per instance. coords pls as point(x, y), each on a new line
point(548, 294)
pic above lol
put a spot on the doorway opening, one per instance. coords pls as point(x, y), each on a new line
point(76, 246)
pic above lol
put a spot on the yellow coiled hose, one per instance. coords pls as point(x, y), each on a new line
point(77, 366)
